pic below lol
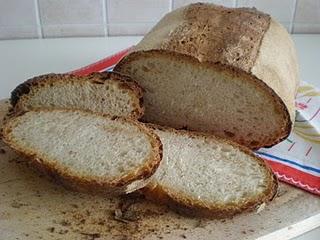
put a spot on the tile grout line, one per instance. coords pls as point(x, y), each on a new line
point(170, 5)
point(105, 17)
point(38, 20)
point(295, 2)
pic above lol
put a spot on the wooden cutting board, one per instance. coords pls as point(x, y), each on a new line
point(31, 207)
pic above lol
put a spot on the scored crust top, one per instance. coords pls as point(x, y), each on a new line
point(211, 33)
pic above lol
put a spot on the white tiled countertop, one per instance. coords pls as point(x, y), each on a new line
point(22, 59)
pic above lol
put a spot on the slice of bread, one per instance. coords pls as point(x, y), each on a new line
point(105, 93)
point(201, 175)
point(232, 72)
point(86, 151)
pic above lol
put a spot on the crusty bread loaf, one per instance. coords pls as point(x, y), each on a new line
point(105, 93)
point(205, 176)
point(231, 72)
point(86, 151)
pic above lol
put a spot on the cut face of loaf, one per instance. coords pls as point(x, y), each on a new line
point(182, 93)
point(106, 93)
point(230, 72)
point(204, 176)
point(84, 151)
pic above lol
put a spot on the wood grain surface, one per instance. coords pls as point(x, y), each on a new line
point(32, 207)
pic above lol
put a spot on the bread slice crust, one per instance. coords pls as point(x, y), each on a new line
point(242, 38)
point(285, 126)
point(184, 204)
point(129, 182)
point(26, 90)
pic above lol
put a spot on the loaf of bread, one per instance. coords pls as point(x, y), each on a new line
point(85, 151)
point(230, 72)
point(105, 93)
point(205, 176)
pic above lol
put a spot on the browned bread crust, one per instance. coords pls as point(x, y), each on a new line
point(22, 91)
point(129, 182)
point(212, 33)
point(240, 40)
point(284, 128)
point(193, 207)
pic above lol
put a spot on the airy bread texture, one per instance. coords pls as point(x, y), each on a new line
point(105, 93)
point(205, 176)
point(86, 151)
point(230, 72)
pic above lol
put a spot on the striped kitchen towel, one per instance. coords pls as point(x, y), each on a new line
point(296, 160)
